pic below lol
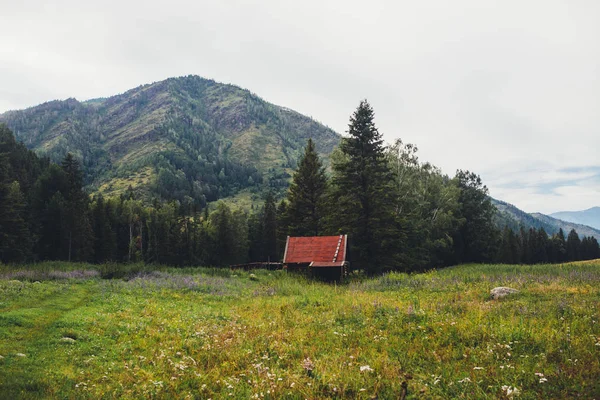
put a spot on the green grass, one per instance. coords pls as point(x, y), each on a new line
point(204, 333)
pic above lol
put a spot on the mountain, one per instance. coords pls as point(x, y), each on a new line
point(589, 217)
point(185, 138)
point(511, 216)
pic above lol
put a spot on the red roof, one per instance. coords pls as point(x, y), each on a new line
point(318, 249)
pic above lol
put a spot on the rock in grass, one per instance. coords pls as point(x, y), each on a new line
point(502, 291)
point(67, 340)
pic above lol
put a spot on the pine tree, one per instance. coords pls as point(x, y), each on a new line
point(282, 227)
point(222, 230)
point(542, 246)
point(77, 221)
point(105, 242)
point(561, 246)
point(478, 236)
point(306, 195)
point(361, 193)
point(255, 237)
point(525, 246)
point(269, 230)
point(573, 244)
point(595, 248)
point(15, 238)
point(506, 254)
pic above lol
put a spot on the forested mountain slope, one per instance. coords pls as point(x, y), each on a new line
point(514, 218)
point(186, 138)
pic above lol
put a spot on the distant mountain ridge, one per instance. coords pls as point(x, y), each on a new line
point(514, 218)
point(590, 217)
point(187, 138)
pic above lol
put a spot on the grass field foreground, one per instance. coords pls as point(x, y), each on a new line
point(65, 332)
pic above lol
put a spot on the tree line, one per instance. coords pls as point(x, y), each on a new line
point(399, 213)
point(535, 246)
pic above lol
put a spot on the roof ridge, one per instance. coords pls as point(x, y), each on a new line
point(337, 250)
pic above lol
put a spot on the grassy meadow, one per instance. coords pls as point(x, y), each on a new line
point(66, 331)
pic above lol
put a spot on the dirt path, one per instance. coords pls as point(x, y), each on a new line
point(29, 337)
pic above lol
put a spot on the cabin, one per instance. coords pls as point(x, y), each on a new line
point(323, 257)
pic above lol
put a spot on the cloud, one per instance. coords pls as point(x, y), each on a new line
point(549, 190)
point(508, 90)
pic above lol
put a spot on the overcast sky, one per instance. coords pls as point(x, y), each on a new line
point(508, 89)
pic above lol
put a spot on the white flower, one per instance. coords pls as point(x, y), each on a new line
point(542, 380)
point(510, 391)
point(477, 368)
point(366, 368)
point(539, 374)
point(464, 380)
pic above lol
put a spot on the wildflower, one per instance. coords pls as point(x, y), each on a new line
point(510, 391)
point(307, 364)
point(20, 355)
point(539, 374)
point(542, 380)
point(477, 368)
point(465, 380)
point(366, 368)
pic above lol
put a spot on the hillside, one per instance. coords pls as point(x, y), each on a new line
point(186, 138)
point(590, 217)
point(514, 218)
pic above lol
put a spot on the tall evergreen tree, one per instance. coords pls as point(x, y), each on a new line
point(105, 241)
point(15, 237)
point(573, 244)
point(560, 245)
point(269, 230)
point(478, 237)
point(307, 194)
point(507, 252)
point(282, 227)
point(221, 222)
point(362, 190)
point(77, 222)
